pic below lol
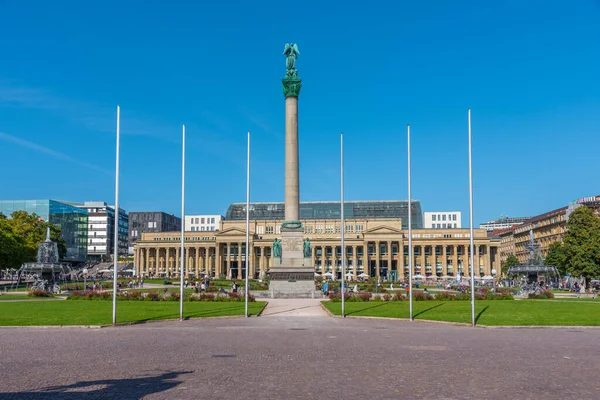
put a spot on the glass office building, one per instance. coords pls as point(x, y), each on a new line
point(73, 222)
point(331, 210)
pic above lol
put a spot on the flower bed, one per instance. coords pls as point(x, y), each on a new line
point(157, 296)
point(37, 292)
point(420, 296)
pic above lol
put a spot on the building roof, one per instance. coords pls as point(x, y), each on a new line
point(543, 216)
point(499, 232)
point(331, 210)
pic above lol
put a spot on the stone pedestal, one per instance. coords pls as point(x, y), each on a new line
point(293, 275)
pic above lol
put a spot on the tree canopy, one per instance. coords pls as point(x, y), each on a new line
point(20, 236)
point(511, 261)
point(580, 252)
point(556, 257)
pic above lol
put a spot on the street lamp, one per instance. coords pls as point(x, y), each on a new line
point(494, 278)
point(85, 272)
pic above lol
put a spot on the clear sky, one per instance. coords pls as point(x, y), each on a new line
point(529, 70)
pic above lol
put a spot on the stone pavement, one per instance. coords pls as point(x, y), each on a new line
point(294, 308)
point(298, 358)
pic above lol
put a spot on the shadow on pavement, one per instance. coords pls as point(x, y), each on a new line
point(133, 388)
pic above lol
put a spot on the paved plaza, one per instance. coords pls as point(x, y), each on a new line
point(298, 354)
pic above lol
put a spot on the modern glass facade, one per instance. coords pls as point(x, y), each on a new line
point(72, 220)
point(331, 210)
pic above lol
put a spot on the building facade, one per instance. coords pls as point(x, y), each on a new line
point(330, 210)
point(152, 222)
point(202, 223)
point(502, 223)
point(373, 246)
point(442, 219)
point(547, 228)
point(101, 230)
point(73, 222)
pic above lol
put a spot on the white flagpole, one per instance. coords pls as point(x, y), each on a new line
point(472, 268)
point(342, 227)
point(410, 249)
point(116, 238)
point(247, 223)
point(182, 260)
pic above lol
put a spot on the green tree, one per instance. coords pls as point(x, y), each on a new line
point(511, 261)
point(581, 246)
point(556, 257)
point(9, 246)
point(23, 232)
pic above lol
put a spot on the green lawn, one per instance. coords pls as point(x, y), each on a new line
point(490, 312)
point(98, 312)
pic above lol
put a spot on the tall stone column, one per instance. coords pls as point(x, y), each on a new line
point(292, 181)
point(292, 274)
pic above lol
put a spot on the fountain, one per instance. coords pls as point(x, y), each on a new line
point(47, 272)
point(534, 268)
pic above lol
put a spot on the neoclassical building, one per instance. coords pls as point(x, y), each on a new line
point(376, 246)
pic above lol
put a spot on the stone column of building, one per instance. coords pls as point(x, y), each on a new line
point(141, 269)
point(262, 266)
point(445, 260)
point(196, 256)
point(177, 261)
point(432, 259)
point(455, 259)
point(228, 260)
point(366, 268)
point(488, 260)
point(166, 261)
point(211, 256)
point(423, 259)
point(354, 261)
point(313, 257)
point(217, 260)
point(155, 270)
point(477, 260)
point(390, 257)
point(377, 258)
point(240, 256)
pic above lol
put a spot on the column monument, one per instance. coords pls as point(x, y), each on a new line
point(292, 272)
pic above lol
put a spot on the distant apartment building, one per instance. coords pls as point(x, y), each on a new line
point(72, 220)
point(202, 223)
point(101, 230)
point(547, 228)
point(150, 221)
point(502, 223)
point(442, 219)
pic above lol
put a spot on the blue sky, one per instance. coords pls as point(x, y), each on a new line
point(529, 71)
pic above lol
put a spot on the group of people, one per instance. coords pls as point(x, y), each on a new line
point(199, 286)
point(136, 283)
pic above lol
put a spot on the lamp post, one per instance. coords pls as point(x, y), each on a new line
point(85, 272)
point(494, 278)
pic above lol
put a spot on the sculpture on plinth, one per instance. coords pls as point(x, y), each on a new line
point(277, 249)
point(307, 249)
point(291, 82)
